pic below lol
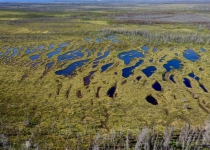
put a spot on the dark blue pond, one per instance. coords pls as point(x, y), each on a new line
point(102, 57)
point(187, 82)
point(172, 78)
point(111, 91)
point(51, 46)
point(154, 49)
point(203, 50)
point(201, 69)
point(145, 48)
point(86, 79)
point(203, 88)
point(70, 55)
point(28, 52)
point(138, 78)
point(34, 57)
point(126, 72)
point(192, 75)
point(150, 99)
point(149, 70)
point(157, 86)
point(164, 76)
point(151, 60)
point(105, 67)
point(51, 54)
point(15, 51)
point(191, 55)
point(63, 45)
point(98, 40)
point(71, 68)
point(128, 56)
point(162, 58)
point(172, 64)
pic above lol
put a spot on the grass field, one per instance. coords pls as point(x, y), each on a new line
point(57, 112)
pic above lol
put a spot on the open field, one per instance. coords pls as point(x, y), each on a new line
point(83, 76)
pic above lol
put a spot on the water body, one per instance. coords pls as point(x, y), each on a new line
point(149, 71)
point(201, 69)
point(86, 79)
point(150, 99)
point(113, 38)
point(172, 64)
point(99, 53)
point(15, 51)
point(51, 46)
point(145, 48)
point(63, 45)
point(111, 91)
point(87, 39)
point(49, 65)
point(34, 57)
point(98, 40)
point(203, 88)
point(128, 56)
point(203, 50)
point(176, 54)
point(96, 61)
point(41, 47)
point(138, 78)
point(71, 68)
point(192, 75)
point(34, 51)
point(8, 51)
point(106, 53)
point(126, 72)
point(172, 78)
point(191, 55)
point(155, 49)
point(106, 66)
point(28, 52)
point(151, 60)
point(89, 52)
point(187, 83)
point(51, 54)
point(162, 58)
point(115, 41)
point(70, 55)
point(157, 86)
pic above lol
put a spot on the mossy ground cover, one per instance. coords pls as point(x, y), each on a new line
point(47, 105)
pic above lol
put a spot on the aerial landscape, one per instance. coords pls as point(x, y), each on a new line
point(104, 75)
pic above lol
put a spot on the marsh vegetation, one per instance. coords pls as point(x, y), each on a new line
point(104, 76)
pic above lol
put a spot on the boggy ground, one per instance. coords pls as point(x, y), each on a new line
point(36, 101)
